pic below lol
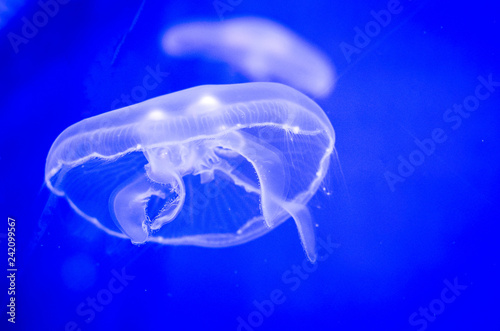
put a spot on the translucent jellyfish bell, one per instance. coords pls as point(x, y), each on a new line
point(214, 165)
point(260, 49)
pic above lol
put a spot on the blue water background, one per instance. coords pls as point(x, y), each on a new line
point(395, 250)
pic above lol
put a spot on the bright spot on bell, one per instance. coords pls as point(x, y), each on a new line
point(156, 115)
point(205, 104)
point(208, 102)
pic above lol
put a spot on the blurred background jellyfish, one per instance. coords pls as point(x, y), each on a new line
point(213, 165)
point(260, 49)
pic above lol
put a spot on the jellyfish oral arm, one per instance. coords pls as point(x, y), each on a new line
point(269, 169)
point(130, 202)
point(164, 170)
point(128, 208)
point(172, 207)
point(272, 178)
point(302, 218)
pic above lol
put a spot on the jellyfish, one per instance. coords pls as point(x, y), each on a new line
point(260, 49)
point(212, 165)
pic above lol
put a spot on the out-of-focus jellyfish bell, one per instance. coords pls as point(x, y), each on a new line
point(258, 48)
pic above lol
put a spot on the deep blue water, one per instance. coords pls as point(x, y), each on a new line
point(407, 247)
